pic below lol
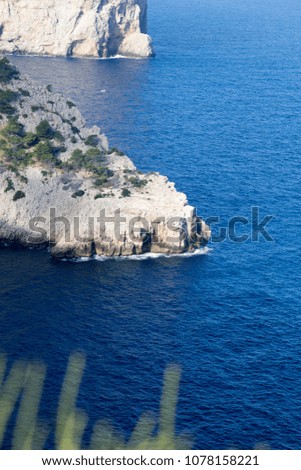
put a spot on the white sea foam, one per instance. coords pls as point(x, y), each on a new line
point(146, 256)
point(119, 56)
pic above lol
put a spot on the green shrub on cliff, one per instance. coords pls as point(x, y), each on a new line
point(18, 195)
point(16, 143)
point(91, 161)
point(99, 196)
point(101, 179)
point(92, 141)
point(7, 97)
point(57, 135)
point(79, 193)
point(23, 92)
point(36, 108)
point(77, 159)
point(137, 183)
point(13, 129)
point(116, 150)
point(70, 104)
point(45, 152)
point(126, 192)
point(10, 185)
point(7, 71)
point(44, 130)
point(30, 140)
point(94, 155)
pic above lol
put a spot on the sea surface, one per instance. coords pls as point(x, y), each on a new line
point(219, 112)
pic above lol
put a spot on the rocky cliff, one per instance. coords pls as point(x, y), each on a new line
point(62, 186)
point(82, 28)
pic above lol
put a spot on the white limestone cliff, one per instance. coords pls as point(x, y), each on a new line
point(79, 28)
point(58, 184)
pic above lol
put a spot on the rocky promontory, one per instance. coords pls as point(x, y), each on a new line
point(62, 186)
point(79, 28)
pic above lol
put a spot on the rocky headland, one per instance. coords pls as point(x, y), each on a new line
point(62, 186)
point(75, 28)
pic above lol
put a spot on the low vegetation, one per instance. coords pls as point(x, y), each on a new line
point(44, 130)
point(70, 104)
point(92, 141)
point(7, 97)
point(20, 148)
point(79, 193)
point(18, 195)
point(7, 71)
point(24, 92)
point(36, 108)
point(137, 183)
point(116, 150)
point(10, 185)
point(126, 192)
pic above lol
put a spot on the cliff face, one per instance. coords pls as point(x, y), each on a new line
point(61, 186)
point(83, 28)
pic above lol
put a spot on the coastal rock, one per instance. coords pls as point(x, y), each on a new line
point(79, 28)
point(136, 45)
point(61, 185)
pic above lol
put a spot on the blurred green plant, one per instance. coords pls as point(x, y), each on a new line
point(21, 390)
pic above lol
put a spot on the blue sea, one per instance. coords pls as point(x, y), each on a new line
point(219, 112)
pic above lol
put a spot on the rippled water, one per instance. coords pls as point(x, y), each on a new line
point(218, 111)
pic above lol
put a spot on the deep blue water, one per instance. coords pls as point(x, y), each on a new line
point(218, 111)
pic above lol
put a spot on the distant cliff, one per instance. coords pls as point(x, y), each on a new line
point(62, 186)
point(79, 28)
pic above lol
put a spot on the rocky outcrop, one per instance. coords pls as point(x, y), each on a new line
point(82, 28)
point(61, 186)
